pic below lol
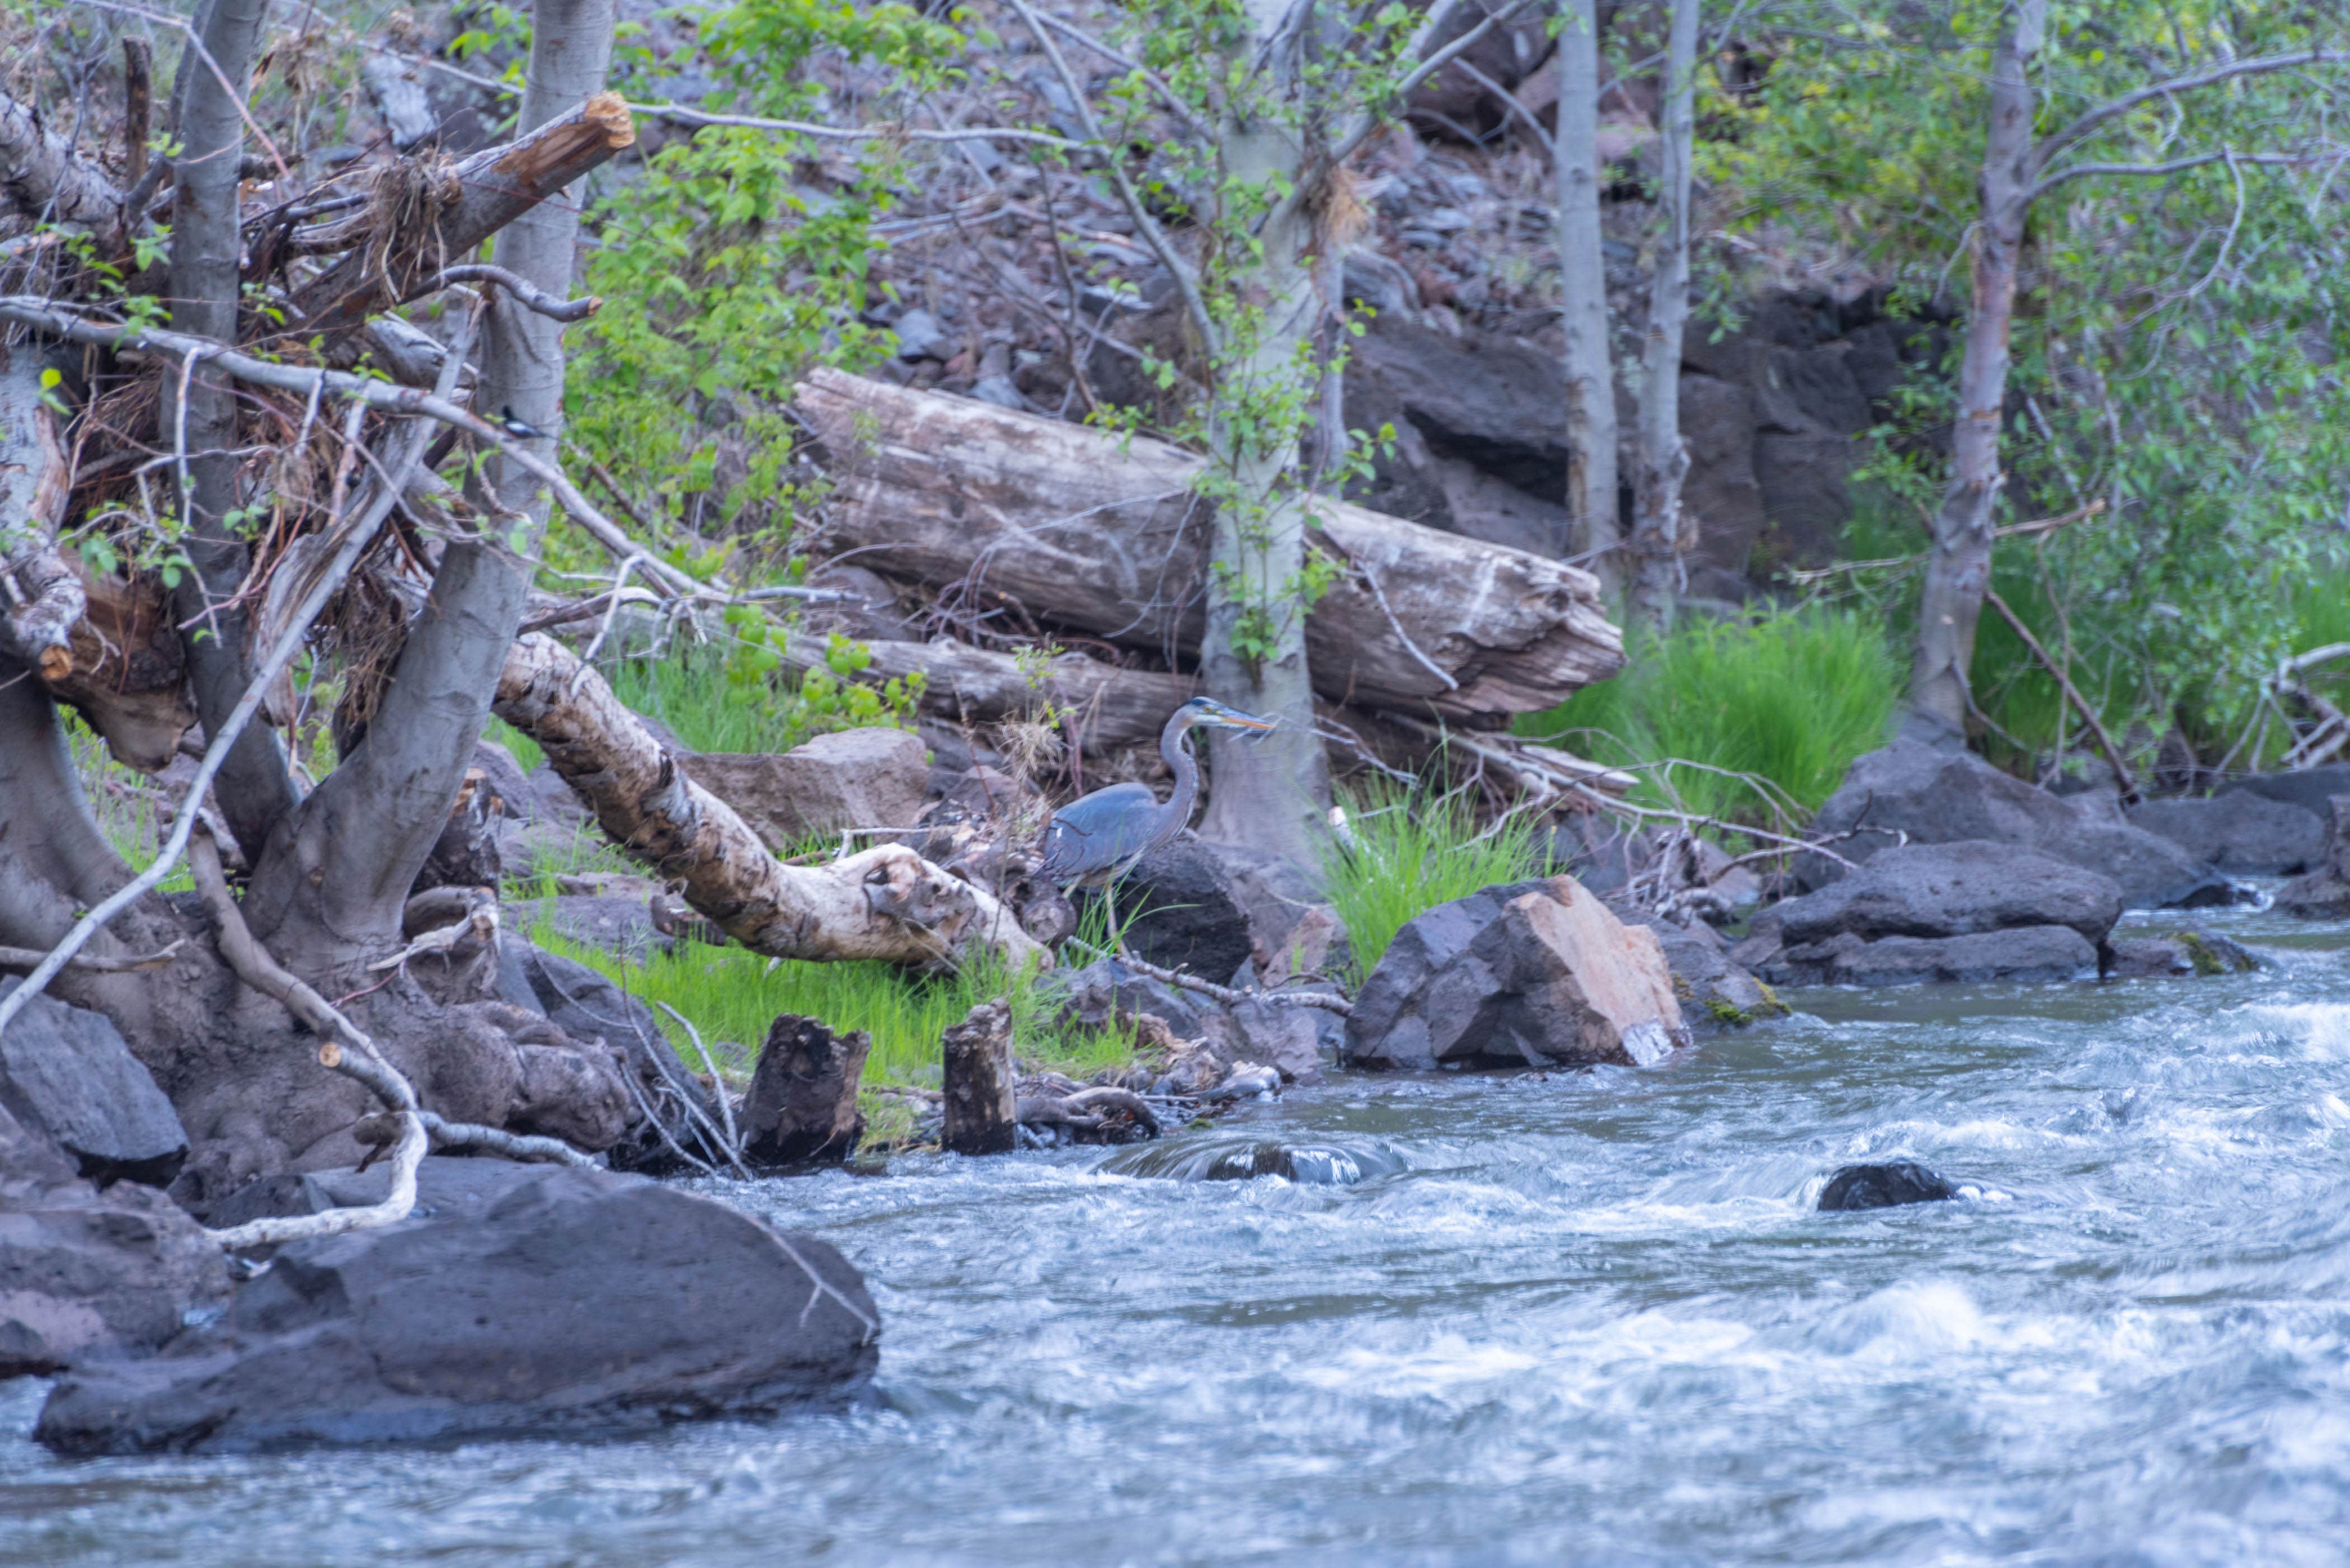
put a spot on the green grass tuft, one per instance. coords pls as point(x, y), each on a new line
point(1790, 698)
point(1412, 853)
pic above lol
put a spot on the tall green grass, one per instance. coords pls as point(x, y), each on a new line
point(1790, 698)
point(1411, 852)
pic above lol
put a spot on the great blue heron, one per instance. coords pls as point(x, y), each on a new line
point(1094, 841)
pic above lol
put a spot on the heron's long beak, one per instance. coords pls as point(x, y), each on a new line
point(1247, 723)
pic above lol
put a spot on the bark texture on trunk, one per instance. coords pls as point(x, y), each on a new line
point(1958, 567)
point(256, 789)
point(884, 903)
point(377, 816)
point(1108, 538)
point(1272, 795)
point(1591, 502)
point(44, 596)
point(43, 179)
point(1662, 535)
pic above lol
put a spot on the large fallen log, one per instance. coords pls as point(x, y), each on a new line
point(1109, 537)
point(887, 902)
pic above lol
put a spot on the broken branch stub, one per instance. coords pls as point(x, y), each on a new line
point(488, 190)
point(1110, 537)
point(885, 902)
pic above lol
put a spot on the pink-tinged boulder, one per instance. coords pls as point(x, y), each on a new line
point(1535, 974)
point(852, 778)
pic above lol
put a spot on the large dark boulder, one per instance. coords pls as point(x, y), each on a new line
point(1715, 991)
point(86, 1272)
point(1885, 1185)
point(67, 1071)
point(1952, 889)
point(2243, 833)
point(1536, 973)
point(1936, 792)
point(2024, 954)
point(519, 1300)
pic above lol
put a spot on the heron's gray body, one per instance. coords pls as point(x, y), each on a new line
point(1098, 840)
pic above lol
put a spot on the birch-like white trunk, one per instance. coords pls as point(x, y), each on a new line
point(1590, 361)
point(1958, 567)
point(1662, 533)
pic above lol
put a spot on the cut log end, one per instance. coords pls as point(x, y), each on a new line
point(57, 663)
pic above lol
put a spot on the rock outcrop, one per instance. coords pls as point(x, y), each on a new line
point(2179, 953)
point(852, 778)
point(1940, 793)
point(1534, 974)
point(518, 1299)
point(1715, 991)
point(88, 1273)
point(1218, 910)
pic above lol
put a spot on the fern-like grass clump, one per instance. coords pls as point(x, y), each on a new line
point(1411, 852)
point(1789, 699)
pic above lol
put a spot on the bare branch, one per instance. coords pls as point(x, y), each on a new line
point(1186, 281)
point(679, 114)
point(529, 293)
point(2089, 716)
point(2106, 113)
point(27, 958)
point(1167, 94)
point(2281, 160)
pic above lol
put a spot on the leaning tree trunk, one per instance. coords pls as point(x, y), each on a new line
point(1270, 794)
point(1582, 279)
point(200, 416)
point(1958, 567)
point(1662, 533)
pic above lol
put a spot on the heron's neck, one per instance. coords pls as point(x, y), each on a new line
point(1176, 748)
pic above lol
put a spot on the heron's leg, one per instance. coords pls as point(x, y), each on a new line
point(1117, 936)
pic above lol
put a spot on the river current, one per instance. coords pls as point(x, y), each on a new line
point(1579, 1318)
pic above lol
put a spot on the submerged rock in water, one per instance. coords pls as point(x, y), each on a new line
point(1534, 974)
point(2184, 952)
point(2027, 955)
point(519, 1300)
point(1885, 1186)
point(1224, 1159)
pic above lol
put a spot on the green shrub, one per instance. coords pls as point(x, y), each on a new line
point(1411, 853)
point(1790, 698)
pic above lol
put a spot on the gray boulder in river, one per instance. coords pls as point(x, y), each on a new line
point(1943, 794)
point(2324, 893)
point(1974, 910)
point(517, 1301)
point(1532, 974)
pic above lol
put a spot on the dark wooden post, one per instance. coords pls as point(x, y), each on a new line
point(981, 1113)
point(802, 1107)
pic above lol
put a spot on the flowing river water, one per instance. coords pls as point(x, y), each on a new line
point(1580, 1318)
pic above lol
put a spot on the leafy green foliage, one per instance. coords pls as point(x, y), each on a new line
point(739, 701)
point(1790, 698)
point(1412, 851)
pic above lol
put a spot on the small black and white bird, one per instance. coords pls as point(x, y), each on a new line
point(517, 429)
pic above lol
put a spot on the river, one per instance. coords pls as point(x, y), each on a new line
point(1581, 1318)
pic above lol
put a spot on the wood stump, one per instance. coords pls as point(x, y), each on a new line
point(802, 1107)
point(981, 1109)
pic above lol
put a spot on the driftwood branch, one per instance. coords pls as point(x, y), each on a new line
point(881, 903)
point(1229, 995)
point(27, 958)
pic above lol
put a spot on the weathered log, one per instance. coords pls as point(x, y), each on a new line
point(802, 1107)
point(479, 197)
point(982, 1108)
point(42, 178)
point(44, 598)
point(129, 678)
point(883, 903)
point(1110, 538)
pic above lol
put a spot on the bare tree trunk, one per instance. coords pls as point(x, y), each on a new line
point(1273, 794)
point(377, 815)
point(256, 789)
point(1583, 277)
point(1661, 534)
point(1957, 568)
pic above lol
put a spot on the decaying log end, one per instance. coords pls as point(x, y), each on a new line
point(610, 111)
